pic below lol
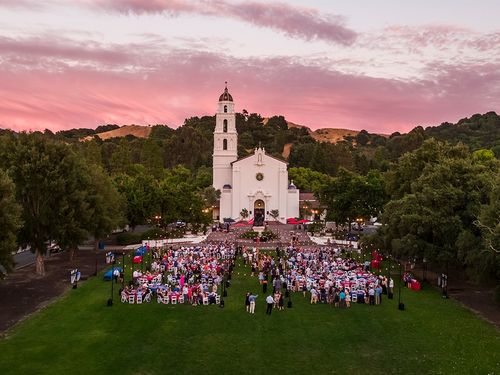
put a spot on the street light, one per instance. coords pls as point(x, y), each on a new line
point(424, 270)
point(110, 301)
point(359, 220)
point(158, 218)
point(123, 266)
point(401, 306)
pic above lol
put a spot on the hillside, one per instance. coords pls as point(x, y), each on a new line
point(330, 135)
point(138, 131)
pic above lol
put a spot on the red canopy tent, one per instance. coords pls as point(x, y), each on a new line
point(292, 220)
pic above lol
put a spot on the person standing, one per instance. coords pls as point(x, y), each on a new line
point(251, 299)
point(247, 301)
point(270, 303)
point(281, 302)
point(378, 294)
point(342, 298)
point(371, 295)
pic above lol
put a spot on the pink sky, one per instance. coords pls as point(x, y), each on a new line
point(148, 62)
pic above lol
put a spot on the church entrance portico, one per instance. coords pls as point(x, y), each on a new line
point(259, 213)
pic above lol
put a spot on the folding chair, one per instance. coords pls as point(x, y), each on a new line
point(131, 299)
point(174, 300)
point(205, 301)
point(139, 299)
point(354, 298)
point(181, 298)
point(124, 298)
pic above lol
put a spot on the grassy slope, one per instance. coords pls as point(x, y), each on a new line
point(79, 334)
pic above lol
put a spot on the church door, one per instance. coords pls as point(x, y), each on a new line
point(259, 208)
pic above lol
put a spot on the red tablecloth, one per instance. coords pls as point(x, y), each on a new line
point(415, 285)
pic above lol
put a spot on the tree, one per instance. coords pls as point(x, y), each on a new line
point(10, 222)
point(210, 196)
point(244, 213)
point(141, 195)
point(274, 214)
point(121, 158)
point(73, 226)
point(152, 157)
point(437, 194)
point(349, 196)
point(47, 177)
point(106, 205)
point(308, 180)
point(305, 209)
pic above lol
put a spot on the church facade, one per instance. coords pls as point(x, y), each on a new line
point(258, 182)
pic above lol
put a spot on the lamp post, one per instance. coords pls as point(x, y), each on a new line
point(401, 306)
point(158, 218)
point(123, 268)
point(110, 301)
point(424, 270)
point(389, 291)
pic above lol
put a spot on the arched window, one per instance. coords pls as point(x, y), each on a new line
point(225, 126)
point(225, 109)
point(224, 144)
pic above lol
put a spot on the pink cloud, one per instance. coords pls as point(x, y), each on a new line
point(60, 48)
point(298, 22)
point(166, 86)
point(446, 38)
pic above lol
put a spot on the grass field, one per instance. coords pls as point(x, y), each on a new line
point(81, 335)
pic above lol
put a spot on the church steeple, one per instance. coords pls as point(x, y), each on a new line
point(225, 96)
point(225, 141)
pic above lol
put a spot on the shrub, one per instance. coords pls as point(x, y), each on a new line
point(269, 234)
point(154, 234)
point(250, 234)
point(127, 238)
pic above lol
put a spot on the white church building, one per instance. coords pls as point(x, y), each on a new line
point(258, 182)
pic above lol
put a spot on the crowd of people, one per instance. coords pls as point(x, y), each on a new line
point(323, 274)
point(182, 275)
point(331, 278)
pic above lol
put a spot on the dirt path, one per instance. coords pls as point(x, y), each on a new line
point(23, 293)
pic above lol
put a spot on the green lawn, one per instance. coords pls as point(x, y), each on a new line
point(81, 335)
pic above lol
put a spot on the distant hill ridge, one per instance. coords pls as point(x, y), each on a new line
point(139, 131)
point(332, 135)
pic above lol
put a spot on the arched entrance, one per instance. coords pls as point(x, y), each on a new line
point(259, 213)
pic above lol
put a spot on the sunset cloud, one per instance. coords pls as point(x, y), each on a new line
point(297, 22)
point(158, 61)
point(176, 84)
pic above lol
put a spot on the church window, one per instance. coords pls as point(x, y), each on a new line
point(225, 126)
point(225, 109)
point(224, 144)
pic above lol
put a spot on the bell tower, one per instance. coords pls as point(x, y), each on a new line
point(225, 141)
